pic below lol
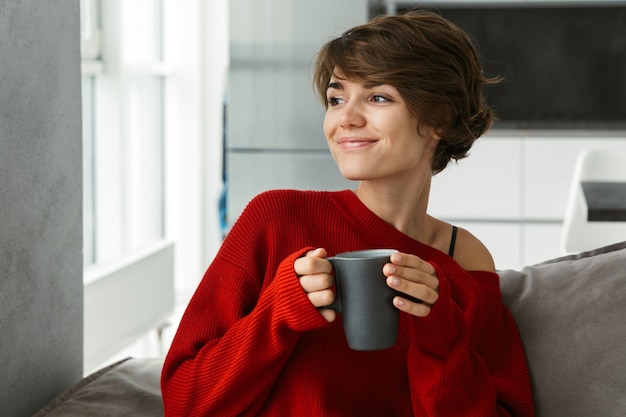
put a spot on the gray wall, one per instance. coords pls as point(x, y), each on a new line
point(41, 289)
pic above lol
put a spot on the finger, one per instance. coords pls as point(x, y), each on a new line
point(314, 262)
point(316, 282)
point(328, 314)
point(410, 307)
point(319, 253)
point(411, 261)
point(321, 298)
point(413, 275)
point(418, 291)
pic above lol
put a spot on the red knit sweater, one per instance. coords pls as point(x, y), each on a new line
point(251, 344)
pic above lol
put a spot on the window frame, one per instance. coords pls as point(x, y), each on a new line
point(110, 232)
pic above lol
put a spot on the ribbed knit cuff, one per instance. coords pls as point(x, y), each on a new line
point(444, 327)
point(293, 307)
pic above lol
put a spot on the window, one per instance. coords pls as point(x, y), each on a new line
point(123, 139)
point(90, 30)
point(126, 254)
point(154, 73)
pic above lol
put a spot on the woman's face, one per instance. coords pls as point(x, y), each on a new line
point(372, 134)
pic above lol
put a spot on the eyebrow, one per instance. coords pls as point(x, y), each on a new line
point(335, 85)
point(339, 86)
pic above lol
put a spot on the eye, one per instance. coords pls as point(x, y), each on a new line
point(335, 101)
point(380, 98)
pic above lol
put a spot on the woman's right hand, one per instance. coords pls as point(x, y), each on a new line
point(315, 273)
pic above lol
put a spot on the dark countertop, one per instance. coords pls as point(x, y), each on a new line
point(606, 201)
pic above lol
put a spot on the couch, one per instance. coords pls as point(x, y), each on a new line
point(571, 313)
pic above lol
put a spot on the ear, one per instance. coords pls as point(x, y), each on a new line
point(432, 138)
point(428, 133)
point(434, 134)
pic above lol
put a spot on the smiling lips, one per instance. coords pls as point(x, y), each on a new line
point(355, 143)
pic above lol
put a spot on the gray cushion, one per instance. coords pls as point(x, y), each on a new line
point(130, 387)
point(571, 314)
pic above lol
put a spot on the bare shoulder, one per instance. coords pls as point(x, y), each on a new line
point(471, 253)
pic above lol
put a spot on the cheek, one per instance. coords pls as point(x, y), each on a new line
point(328, 126)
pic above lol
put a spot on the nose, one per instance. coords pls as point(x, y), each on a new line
point(352, 115)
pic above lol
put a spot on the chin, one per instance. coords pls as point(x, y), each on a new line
point(356, 170)
point(352, 175)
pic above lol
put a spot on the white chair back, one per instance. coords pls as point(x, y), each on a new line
point(579, 234)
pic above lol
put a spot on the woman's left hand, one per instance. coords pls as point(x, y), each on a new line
point(411, 275)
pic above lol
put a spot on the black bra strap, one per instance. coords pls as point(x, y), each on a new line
point(452, 242)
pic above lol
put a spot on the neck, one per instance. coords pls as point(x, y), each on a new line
point(400, 206)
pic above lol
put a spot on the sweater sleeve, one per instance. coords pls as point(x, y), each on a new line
point(233, 341)
point(466, 356)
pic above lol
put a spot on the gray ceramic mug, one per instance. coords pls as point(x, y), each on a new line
point(364, 301)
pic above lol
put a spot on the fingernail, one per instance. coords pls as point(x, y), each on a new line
point(394, 281)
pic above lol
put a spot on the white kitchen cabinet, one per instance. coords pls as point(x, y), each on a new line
point(540, 242)
point(485, 185)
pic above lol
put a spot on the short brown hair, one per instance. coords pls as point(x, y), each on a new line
point(433, 64)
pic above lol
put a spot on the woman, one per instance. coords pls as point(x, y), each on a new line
point(403, 96)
